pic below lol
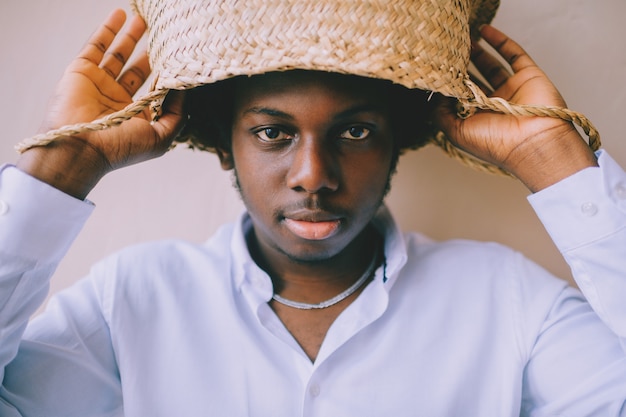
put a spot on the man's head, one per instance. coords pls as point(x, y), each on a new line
point(313, 152)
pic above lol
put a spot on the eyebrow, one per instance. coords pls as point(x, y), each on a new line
point(362, 108)
point(269, 112)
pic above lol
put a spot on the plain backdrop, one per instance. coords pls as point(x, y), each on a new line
point(579, 43)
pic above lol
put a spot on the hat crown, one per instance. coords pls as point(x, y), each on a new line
point(419, 44)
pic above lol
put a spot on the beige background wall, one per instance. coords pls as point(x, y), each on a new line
point(579, 43)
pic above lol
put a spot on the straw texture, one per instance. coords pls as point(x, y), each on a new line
point(419, 44)
point(201, 42)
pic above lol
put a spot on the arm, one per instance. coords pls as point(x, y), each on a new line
point(582, 206)
point(42, 214)
point(594, 201)
point(576, 365)
point(37, 227)
point(549, 154)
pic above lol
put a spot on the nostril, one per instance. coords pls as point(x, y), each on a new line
point(312, 170)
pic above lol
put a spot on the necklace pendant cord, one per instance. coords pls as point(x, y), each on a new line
point(339, 297)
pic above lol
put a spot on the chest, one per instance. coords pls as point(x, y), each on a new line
point(310, 327)
point(229, 353)
point(385, 369)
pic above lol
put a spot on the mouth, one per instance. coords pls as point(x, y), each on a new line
point(312, 226)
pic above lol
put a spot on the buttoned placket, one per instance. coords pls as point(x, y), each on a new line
point(256, 287)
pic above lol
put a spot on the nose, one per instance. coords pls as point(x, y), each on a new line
point(314, 167)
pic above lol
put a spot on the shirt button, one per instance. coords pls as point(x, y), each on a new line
point(620, 191)
point(314, 390)
point(589, 209)
point(4, 207)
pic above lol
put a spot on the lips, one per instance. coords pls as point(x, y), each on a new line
point(312, 227)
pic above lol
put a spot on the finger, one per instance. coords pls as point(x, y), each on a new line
point(101, 39)
point(122, 47)
point(135, 74)
point(490, 67)
point(510, 50)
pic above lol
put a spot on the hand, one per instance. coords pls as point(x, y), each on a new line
point(539, 151)
point(97, 83)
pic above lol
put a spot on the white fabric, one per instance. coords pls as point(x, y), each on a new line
point(454, 328)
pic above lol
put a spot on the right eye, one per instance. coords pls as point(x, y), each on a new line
point(356, 133)
point(272, 134)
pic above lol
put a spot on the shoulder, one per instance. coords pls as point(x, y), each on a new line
point(453, 253)
point(151, 270)
point(171, 254)
point(486, 287)
point(483, 269)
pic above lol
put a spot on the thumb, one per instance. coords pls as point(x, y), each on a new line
point(446, 117)
point(173, 117)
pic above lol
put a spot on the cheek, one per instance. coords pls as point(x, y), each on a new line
point(370, 170)
point(259, 177)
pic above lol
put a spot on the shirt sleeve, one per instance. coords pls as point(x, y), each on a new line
point(38, 223)
point(585, 215)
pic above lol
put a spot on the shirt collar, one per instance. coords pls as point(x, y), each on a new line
point(395, 246)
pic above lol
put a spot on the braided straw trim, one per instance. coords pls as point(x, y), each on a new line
point(113, 119)
point(502, 106)
point(481, 102)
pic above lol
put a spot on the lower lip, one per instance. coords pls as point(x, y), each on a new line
point(312, 230)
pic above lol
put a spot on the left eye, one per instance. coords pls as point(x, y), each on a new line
point(355, 133)
point(271, 134)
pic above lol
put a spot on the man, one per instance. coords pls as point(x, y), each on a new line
point(314, 303)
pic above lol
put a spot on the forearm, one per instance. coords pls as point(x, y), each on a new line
point(559, 153)
point(38, 226)
point(586, 217)
point(69, 165)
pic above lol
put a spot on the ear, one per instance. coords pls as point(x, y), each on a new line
point(226, 158)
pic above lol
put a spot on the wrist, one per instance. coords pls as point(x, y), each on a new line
point(551, 157)
point(67, 164)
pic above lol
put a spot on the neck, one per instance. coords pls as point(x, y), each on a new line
point(317, 281)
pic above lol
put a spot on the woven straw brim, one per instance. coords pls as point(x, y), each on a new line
point(419, 44)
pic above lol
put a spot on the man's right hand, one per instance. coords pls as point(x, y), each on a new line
point(97, 83)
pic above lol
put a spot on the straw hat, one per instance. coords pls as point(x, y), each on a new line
point(419, 44)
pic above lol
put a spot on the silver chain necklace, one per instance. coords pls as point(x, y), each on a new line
point(335, 299)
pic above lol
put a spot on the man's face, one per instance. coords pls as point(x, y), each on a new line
point(312, 155)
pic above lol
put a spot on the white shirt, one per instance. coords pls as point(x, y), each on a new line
point(455, 328)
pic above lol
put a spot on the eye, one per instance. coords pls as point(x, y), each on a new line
point(355, 133)
point(272, 134)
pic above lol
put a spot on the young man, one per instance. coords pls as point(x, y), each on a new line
point(314, 303)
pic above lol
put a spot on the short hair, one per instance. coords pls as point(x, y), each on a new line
point(210, 113)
